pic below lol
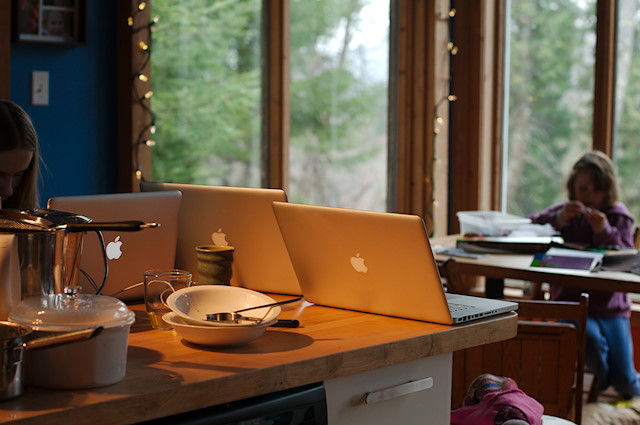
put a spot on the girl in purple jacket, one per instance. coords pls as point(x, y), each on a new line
point(593, 216)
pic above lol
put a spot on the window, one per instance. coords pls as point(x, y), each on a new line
point(207, 78)
point(383, 87)
point(549, 99)
point(572, 87)
point(339, 95)
point(206, 71)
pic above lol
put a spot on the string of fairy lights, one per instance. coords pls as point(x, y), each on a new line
point(140, 82)
point(438, 119)
point(453, 50)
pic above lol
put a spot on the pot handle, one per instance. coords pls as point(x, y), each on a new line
point(118, 226)
point(65, 338)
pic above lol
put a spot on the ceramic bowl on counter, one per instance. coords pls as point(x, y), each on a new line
point(193, 304)
point(221, 336)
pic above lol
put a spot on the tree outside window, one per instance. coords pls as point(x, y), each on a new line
point(207, 74)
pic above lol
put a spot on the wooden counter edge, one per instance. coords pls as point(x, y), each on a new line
point(198, 395)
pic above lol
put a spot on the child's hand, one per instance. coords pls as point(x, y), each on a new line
point(596, 219)
point(572, 209)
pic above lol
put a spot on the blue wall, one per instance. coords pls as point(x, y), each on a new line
point(77, 131)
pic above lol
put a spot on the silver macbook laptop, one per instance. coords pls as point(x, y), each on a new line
point(239, 217)
point(129, 253)
point(373, 262)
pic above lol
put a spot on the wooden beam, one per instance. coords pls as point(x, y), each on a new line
point(5, 48)
point(275, 89)
point(495, 121)
point(604, 94)
point(414, 81)
point(466, 128)
point(133, 118)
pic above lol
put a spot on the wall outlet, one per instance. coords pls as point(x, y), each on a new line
point(40, 88)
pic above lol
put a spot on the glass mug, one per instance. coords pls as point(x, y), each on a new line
point(158, 285)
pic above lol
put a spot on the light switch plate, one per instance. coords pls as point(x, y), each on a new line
point(40, 88)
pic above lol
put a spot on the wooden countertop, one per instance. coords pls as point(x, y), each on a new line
point(166, 375)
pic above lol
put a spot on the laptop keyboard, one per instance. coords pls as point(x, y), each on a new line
point(458, 307)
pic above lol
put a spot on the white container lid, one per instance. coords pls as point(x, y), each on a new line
point(59, 312)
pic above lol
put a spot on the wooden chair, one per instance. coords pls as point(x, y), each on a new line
point(452, 277)
point(636, 237)
point(546, 358)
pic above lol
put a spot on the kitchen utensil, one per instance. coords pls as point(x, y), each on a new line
point(286, 323)
point(192, 304)
point(44, 220)
point(14, 342)
point(50, 246)
point(92, 363)
point(240, 319)
point(235, 317)
point(221, 336)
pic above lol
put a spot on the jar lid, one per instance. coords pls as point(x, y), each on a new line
point(71, 311)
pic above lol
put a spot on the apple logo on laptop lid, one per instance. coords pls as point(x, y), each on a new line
point(357, 263)
point(114, 249)
point(219, 238)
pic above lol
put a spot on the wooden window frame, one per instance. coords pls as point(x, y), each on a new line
point(416, 160)
point(423, 182)
point(133, 120)
point(605, 74)
point(421, 81)
point(5, 48)
point(477, 112)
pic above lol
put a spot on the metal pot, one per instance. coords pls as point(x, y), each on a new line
point(50, 246)
point(97, 362)
point(13, 343)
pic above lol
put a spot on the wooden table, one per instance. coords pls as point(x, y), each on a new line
point(166, 375)
point(517, 266)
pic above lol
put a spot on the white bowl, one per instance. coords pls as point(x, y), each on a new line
point(221, 336)
point(194, 303)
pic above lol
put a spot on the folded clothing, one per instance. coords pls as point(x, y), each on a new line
point(497, 400)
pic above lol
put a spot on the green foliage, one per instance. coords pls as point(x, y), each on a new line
point(338, 114)
point(550, 102)
point(206, 81)
point(206, 73)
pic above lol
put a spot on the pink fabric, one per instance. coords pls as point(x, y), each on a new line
point(493, 403)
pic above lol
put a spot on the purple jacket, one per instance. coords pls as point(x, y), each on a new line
point(619, 232)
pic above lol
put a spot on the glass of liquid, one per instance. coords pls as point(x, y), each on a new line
point(158, 285)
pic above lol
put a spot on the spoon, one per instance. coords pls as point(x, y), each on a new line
point(235, 316)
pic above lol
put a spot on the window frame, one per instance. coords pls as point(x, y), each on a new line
point(605, 74)
point(418, 165)
point(412, 167)
point(5, 49)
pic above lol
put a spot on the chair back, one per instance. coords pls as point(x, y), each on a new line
point(546, 358)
